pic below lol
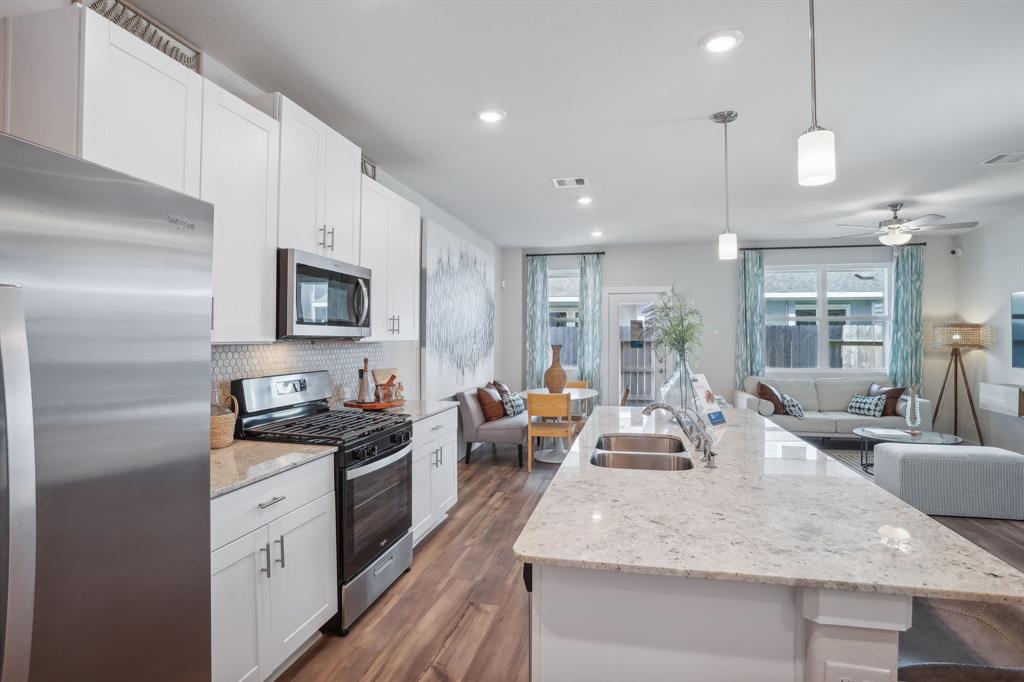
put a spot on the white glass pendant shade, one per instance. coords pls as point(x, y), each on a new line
point(816, 157)
point(727, 246)
point(895, 238)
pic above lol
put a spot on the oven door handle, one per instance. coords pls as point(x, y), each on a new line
point(366, 302)
point(353, 474)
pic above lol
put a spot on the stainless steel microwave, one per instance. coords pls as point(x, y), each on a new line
point(320, 297)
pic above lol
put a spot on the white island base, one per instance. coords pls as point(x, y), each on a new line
point(598, 625)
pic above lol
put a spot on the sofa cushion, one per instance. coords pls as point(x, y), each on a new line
point(834, 395)
point(892, 395)
point(772, 395)
point(490, 403)
point(846, 422)
point(765, 408)
point(504, 430)
point(812, 422)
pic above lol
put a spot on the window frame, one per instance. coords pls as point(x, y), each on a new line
point(822, 318)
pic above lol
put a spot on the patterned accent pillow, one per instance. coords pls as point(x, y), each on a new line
point(513, 403)
point(867, 406)
point(792, 406)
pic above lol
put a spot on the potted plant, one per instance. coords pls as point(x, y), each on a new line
point(677, 327)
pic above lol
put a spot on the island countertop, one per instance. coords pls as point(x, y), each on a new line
point(775, 511)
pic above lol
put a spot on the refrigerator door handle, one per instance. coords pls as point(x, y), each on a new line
point(18, 446)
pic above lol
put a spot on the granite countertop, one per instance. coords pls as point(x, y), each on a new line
point(421, 409)
point(776, 511)
point(247, 461)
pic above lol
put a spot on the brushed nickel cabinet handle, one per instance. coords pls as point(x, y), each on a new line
point(435, 428)
point(266, 548)
point(280, 541)
point(331, 247)
point(271, 502)
point(323, 238)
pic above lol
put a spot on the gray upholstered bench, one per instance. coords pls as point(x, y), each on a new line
point(953, 480)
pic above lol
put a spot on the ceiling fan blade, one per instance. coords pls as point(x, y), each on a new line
point(926, 219)
point(859, 227)
point(949, 226)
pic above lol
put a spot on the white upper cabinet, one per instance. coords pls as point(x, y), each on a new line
point(318, 209)
point(239, 177)
point(81, 85)
point(390, 247)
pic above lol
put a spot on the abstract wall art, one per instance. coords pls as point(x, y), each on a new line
point(458, 348)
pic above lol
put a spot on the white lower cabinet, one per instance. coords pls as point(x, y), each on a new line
point(272, 588)
point(435, 474)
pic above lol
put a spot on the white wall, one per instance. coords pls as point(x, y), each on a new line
point(990, 269)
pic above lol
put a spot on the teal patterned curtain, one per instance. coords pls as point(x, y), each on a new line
point(538, 344)
point(907, 346)
point(750, 317)
point(589, 362)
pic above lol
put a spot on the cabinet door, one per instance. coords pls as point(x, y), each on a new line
point(342, 189)
point(141, 110)
point(239, 598)
point(376, 210)
point(240, 162)
point(304, 581)
point(300, 211)
point(404, 269)
point(424, 460)
point(445, 484)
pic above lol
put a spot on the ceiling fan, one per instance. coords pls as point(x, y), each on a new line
point(897, 231)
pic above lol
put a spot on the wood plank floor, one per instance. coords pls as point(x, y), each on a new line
point(461, 613)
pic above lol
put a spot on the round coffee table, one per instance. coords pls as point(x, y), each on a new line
point(557, 454)
point(871, 434)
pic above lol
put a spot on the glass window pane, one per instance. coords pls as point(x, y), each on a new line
point(860, 293)
point(564, 313)
point(856, 345)
point(791, 293)
point(791, 344)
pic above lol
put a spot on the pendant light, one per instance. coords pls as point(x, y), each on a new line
point(816, 148)
point(727, 240)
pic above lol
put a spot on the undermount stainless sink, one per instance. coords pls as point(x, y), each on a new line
point(641, 451)
point(639, 442)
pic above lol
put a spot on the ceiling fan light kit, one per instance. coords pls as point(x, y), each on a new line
point(895, 238)
point(727, 247)
point(816, 148)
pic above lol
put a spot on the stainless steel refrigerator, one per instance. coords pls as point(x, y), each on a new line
point(104, 402)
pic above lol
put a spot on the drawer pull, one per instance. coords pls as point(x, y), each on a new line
point(266, 548)
point(280, 541)
point(271, 502)
point(378, 569)
point(439, 426)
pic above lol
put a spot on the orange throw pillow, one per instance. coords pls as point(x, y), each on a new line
point(772, 395)
point(490, 403)
point(892, 397)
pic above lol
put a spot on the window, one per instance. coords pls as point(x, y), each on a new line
point(827, 317)
point(564, 312)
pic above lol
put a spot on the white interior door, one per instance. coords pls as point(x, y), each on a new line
point(631, 364)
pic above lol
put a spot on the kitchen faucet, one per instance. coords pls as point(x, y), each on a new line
point(693, 426)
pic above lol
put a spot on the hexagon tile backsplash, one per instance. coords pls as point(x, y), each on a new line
point(342, 359)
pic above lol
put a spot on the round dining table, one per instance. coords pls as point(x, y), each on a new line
point(557, 454)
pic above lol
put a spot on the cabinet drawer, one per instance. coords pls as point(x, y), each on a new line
point(239, 512)
point(426, 430)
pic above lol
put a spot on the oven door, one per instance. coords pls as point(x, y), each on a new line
point(321, 297)
point(376, 509)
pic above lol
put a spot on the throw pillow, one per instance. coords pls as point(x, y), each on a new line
point(867, 405)
point(792, 406)
point(503, 389)
point(513, 403)
point(490, 403)
point(765, 408)
point(772, 395)
point(892, 396)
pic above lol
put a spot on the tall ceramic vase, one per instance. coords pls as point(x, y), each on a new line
point(554, 377)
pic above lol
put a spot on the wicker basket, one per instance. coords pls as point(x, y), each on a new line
point(222, 427)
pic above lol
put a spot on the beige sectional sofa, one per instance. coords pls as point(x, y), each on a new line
point(825, 401)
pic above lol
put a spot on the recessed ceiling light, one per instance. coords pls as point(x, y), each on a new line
point(490, 115)
point(721, 41)
point(596, 233)
point(584, 200)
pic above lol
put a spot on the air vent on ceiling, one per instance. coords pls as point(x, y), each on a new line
point(1004, 159)
point(568, 183)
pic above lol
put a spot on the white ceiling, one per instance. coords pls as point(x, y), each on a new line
point(917, 92)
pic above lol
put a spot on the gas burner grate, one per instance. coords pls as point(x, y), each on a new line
point(333, 427)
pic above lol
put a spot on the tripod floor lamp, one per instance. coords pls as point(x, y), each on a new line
point(954, 336)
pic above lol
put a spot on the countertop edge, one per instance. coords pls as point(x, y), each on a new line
point(311, 456)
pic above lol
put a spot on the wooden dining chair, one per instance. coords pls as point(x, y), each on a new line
point(542, 408)
point(579, 418)
point(625, 397)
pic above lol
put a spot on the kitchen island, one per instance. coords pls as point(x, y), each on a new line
point(779, 564)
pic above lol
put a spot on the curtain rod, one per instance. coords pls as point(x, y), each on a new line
point(571, 253)
point(834, 246)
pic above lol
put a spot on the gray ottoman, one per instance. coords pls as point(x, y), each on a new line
point(953, 480)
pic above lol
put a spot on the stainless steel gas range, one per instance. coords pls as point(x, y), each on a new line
point(373, 477)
